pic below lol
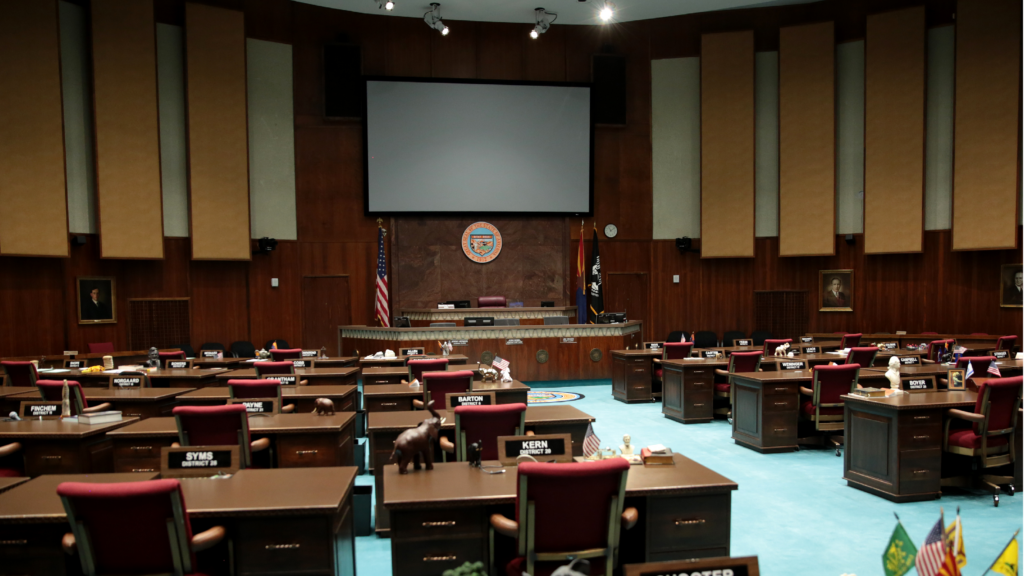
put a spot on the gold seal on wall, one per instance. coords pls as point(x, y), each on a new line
point(595, 354)
point(481, 242)
point(542, 356)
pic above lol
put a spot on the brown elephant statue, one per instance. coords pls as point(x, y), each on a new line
point(415, 443)
point(324, 407)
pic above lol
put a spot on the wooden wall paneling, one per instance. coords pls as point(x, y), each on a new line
point(358, 260)
point(727, 145)
point(33, 190)
point(269, 20)
point(220, 302)
point(544, 58)
point(674, 306)
point(894, 110)
point(218, 142)
point(127, 131)
point(986, 149)
point(276, 312)
point(500, 50)
point(32, 306)
point(807, 136)
point(454, 55)
point(410, 47)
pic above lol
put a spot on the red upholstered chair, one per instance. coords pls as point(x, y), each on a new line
point(671, 351)
point(53, 391)
point(101, 347)
point(244, 389)
point(739, 362)
point(19, 373)
point(862, 356)
point(226, 425)
point(176, 355)
point(989, 438)
point(419, 366)
point(132, 528)
point(1006, 343)
point(978, 363)
point(490, 302)
point(484, 424)
point(570, 510)
point(771, 344)
point(936, 348)
point(288, 354)
point(12, 463)
point(825, 407)
point(437, 384)
point(850, 341)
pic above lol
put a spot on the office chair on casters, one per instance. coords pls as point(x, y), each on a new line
point(281, 354)
point(178, 355)
point(825, 407)
point(484, 424)
point(705, 339)
point(132, 528)
point(245, 389)
point(280, 344)
point(53, 391)
point(671, 351)
point(243, 349)
point(566, 511)
point(850, 341)
point(226, 425)
point(418, 366)
point(979, 364)
point(739, 362)
point(10, 466)
point(677, 336)
point(990, 437)
point(759, 336)
point(436, 385)
point(862, 356)
point(19, 373)
point(731, 335)
point(1008, 343)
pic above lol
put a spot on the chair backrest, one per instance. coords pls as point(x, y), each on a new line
point(744, 362)
point(212, 346)
point(420, 365)
point(53, 391)
point(490, 302)
point(978, 363)
point(831, 382)
point(20, 373)
point(484, 424)
point(187, 349)
point(437, 384)
point(760, 336)
point(242, 389)
point(936, 348)
point(862, 356)
point(1002, 397)
point(177, 355)
point(850, 341)
point(286, 354)
point(555, 320)
point(1006, 343)
point(280, 344)
point(676, 336)
point(771, 344)
point(101, 347)
point(226, 425)
point(243, 349)
point(705, 339)
point(731, 335)
point(129, 527)
point(268, 368)
point(676, 350)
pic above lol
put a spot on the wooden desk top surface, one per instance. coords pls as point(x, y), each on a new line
point(17, 390)
point(707, 362)
point(315, 372)
point(271, 424)
point(455, 483)
point(401, 359)
point(921, 400)
point(217, 362)
point(8, 483)
point(121, 395)
point(223, 393)
point(36, 501)
point(483, 311)
point(484, 331)
point(535, 415)
point(180, 373)
point(398, 370)
point(51, 429)
point(417, 391)
point(922, 370)
point(640, 353)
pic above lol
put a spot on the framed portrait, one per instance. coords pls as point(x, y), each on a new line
point(1010, 289)
point(97, 300)
point(955, 378)
point(835, 290)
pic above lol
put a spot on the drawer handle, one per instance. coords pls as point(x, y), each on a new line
point(381, 382)
point(698, 371)
point(781, 403)
point(922, 417)
point(781, 429)
point(697, 405)
point(13, 542)
point(143, 470)
point(925, 437)
point(141, 448)
point(638, 370)
point(445, 558)
point(283, 546)
point(303, 452)
point(920, 472)
point(689, 522)
point(439, 523)
point(51, 457)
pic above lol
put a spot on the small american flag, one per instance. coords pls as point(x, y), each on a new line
point(931, 556)
point(382, 308)
point(499, 363)
point(993, 369)
point(591, 443)
point(959, 350)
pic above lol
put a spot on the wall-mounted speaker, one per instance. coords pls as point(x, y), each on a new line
point(344, 87)
point(608, 100)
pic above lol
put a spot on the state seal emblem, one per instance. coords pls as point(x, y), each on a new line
point(481, 242)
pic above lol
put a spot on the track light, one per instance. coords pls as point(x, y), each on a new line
point(386, 4)
point(607, 12)
point(433, 19)
point(544, 21)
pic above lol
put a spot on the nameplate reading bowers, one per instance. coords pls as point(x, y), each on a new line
point(513, 342)
point(795, 365)
point(179, 363)
point(1001, 354)
point(284, 379)
point(453, 400)
point(568, 340)
point(126, 381)
point(46, 410)
point(811, 350)
point(806, 339)
point(910, 360)
point(460, 343)
point(543, 447)
point(310, 353)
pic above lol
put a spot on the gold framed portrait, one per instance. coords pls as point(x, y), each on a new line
point(955, 379)
point(1011, 293)
point(836, 290)
point(97, 300)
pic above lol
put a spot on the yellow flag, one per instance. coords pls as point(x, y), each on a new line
point(1006, 564)
point(955, 541)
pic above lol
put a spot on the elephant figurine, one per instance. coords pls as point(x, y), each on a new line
point(324, 407)
point(415, 443)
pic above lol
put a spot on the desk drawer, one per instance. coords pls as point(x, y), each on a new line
point(142, 455)
point(698, 384)
point(438, 523)
point(920, 437)
point(779, 403)
point(921, 418)
point(698, 405)
point(54, 458)
point(311, 450)
point(779, 425)
point(434, 556)
point(688, 522)
point(399, 404)
point(28, 549)
point(920, 471)
point(779, 389)
point(284, 546)
point(370, 380)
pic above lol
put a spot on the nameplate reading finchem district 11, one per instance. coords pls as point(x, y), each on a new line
point(44, 410)
point(513, 342)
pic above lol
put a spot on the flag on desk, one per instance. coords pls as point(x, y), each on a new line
point(382, 307)
point(955, 540)
point(899, 555)
point(970, 372)
point(581, 280)
point(931, 556)
point(591, 443)
point(993, 369)
point(499, 363)
point(594, 282)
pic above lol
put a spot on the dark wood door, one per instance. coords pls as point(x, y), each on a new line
point(325, 306)
point(627, 292)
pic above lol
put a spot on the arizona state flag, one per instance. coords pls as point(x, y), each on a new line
point(596, 293)
point(899, 555)
point(955, 540)
point(1006, 564)
point(581, 278)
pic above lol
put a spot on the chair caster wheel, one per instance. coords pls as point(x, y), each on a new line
point(995, 500)
point(1009, 489)
point(838, 453)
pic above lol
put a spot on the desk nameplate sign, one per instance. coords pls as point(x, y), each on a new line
point(40, 409)
point(918, 383)
point(569, 340)
point(792, 365)
point(302, 363)
point(410, 352)
point(213, 354)
point(739, 342)
point(806, 339)
point(459, 343)
point(654, 345)
point(125, 382)
point(452, 400)
point(284, 379)
point(75, 364)
point(722, 566)
point(889, 346)
point(1001, 354)
point(310, 353)
point(513, 342)
point(258, 405)
point(542, 447)
point(178, 363)
point(710, 354)
point(812, 349)
point(910, 360)
point(198, 461)
point(71, 352)
point(446, 306)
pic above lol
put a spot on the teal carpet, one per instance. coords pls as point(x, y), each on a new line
point(794, 511)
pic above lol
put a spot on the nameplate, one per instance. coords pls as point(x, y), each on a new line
point(453, 400)
point(126, 381)
point(889, 346)
point(918, 383)
point(1001, 354)
point(742, 342)
point(75, 364)
point(284, 379)
point(258, 405)
point(302, 363)
point(196, 462)
point(71, 352)
point(723, 566)
point(446, 306)
point(654, 345)
point(513, 342)
point(711, 353)
point(178, 364)
point(410, 351)
point(310, 353)
point(543, 448)
point(44, 410)
point(956, 379)
point(792, 365)
point(459, 343)
point(213, 354)
point(811, 349)
point(806, 339)
point(568, 340)
point(515, 304)
point(910, 360)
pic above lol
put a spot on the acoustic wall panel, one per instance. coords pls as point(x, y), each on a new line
point(894, 132)
point(79, 164)
point(170, 68)
point(127, 129)
point(675, 143)
point(986, 147)
point(766, 144)
point(850, 138)
point(807, 192)
point(218, 151)
point(938, 147)
point(32, 184)
point(727, 145)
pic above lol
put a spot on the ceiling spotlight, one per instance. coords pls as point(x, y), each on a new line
point(544, 20)
point(386, 4)
point(607, 12)
point(433, 19)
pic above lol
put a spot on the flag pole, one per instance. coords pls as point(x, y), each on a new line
point(1012, 538)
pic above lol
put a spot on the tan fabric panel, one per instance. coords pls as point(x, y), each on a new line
point(807, 140)
point(33, 191)
point(218, 144)
point(985, 148)
point(894, 132)
point(727, 145)
point(131, 222)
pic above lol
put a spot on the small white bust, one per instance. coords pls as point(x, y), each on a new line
point(893, 374)
point(506, 375)
point(389, 353)
point(626, 449)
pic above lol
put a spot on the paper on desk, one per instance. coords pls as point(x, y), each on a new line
point(54, 370)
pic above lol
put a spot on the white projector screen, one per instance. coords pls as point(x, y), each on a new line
point(451, 147)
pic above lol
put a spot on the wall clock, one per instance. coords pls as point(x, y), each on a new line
point(611, 231)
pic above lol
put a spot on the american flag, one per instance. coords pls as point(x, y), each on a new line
point(382, 309)
point(931, 556)
point(994, 370)
point(591, 443)
point(499, 363)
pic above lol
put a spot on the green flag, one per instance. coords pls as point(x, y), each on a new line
point(899, 554)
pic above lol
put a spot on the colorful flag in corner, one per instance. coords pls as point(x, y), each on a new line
point(931, 556)
point(382, 308)
point(949, 567)
point(955, 541)
point(1006, 563)
point(581, 281)
point(273, 345)
point(899, 555)
point(591, 443)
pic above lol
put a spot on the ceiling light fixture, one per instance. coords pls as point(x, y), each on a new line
point(607, 12)
point(544, 21)
point(386, 4)
point(433, 19)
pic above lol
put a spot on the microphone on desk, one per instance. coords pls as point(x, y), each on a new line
point(14, 416)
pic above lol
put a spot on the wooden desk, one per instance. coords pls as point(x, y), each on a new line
point(274, 527)
point(984, 342)
point(161, 378)
point(421, 317)
point(139, 403)
point(394, 374)
point(63, 447)
point(228, 363)
point(346, 376)
point(894, 444)
point(632, 372)
point(9, 397)
point(8, 483)
point(399, 397)
point(399, 361)
point(304, 397)
point(384, 427)
point(336, 362)
point(688, 389)
point(685, 512)
point(300, 440)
